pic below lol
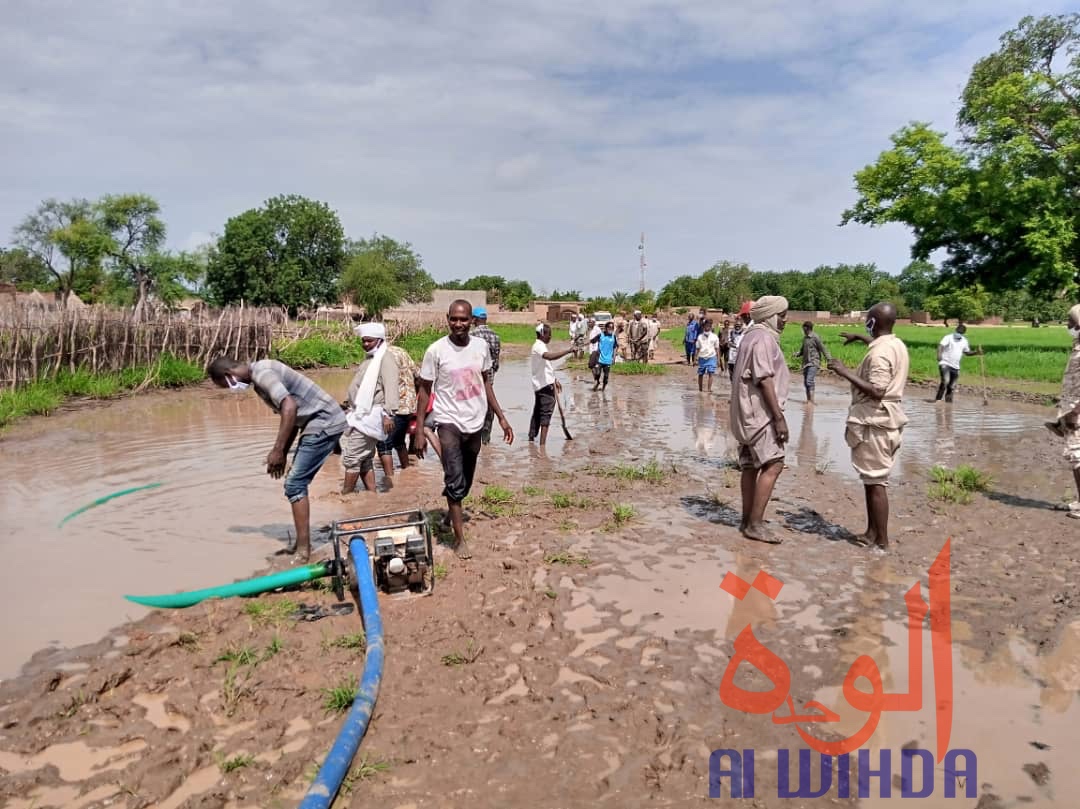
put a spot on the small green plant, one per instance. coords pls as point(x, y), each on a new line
point(462, 658)
point(270, 612)
point(957, 485)
point(367, 768)
point(272, 648)
point(356, 641)
point(559, 500)
point(240, 655)
point(498, 501)
point(339, 698)
point(565, 557)
point(238, 762)
point(551, 594)
point(567, 524)
point(531, 491)
point(188, 641)
point(72, 708)
point(650, 472)
point(496, 494)
point(622, 513)
point(440, 571)
point(234, 687)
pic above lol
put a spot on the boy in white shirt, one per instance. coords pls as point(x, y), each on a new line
point(708, 348)
point(952, 348)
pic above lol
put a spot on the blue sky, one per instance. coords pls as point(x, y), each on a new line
point(532, 139)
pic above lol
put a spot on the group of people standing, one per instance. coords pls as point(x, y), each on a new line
point(450, 402)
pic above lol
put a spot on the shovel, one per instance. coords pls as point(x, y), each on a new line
point(982, 372)
point(562, 415)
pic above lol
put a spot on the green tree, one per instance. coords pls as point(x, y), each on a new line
point(1005, 203)
point(137, 234)
point(288, 253)
point(405, 264)
point(568, 295)
point(968, 303)
point(516, 295)
point(916, 282)
point(370, 281)
point(67, 239)
point(25, 271)
point(620, 302)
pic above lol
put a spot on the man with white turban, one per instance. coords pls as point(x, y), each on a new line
point(760, 380)
point(876, 419)
point(373, 402)
point(1067, 425)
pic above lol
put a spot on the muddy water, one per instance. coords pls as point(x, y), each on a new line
point(217, 516)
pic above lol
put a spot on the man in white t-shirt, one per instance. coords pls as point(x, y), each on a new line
point(458, 369)
point(707, 348)
point(952, 348)
point(543, 381)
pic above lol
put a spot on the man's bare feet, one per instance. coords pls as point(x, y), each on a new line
point(760, 533)
point(303, 554)
point(461, 548)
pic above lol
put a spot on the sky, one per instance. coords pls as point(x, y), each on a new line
point(532, 139)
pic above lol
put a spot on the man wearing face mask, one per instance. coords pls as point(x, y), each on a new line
point(304, 408)
point(952, 348)
point(758, 395)
point(1067, 425)
point(373, 402)
point(876, 420)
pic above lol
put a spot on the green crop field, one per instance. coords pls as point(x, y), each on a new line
point(1012, 352)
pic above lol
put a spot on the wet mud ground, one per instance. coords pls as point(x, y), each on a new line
point(575, 661)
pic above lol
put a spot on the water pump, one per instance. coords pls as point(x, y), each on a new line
point(400, 547)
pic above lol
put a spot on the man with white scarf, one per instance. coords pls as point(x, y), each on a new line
point(760, 381)
point(372, 404)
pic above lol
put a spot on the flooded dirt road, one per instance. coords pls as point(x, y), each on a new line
point(595, 649)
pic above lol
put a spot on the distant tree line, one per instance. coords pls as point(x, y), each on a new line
point(291, 252)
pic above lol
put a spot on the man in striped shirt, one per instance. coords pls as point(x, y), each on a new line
point(305, 409)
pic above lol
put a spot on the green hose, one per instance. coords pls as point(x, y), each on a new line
point(247, 587)
point(106, 499)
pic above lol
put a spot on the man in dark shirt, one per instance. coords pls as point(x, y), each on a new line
point(811, 352)
point(481, 330)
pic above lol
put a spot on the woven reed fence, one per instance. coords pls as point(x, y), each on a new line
point(38, 344)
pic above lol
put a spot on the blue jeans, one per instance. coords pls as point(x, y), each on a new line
point(311, 453)
point(691, 347)
point(809, 374)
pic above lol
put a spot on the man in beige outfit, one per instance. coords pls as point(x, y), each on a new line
point(760, 381)
point(876, 420)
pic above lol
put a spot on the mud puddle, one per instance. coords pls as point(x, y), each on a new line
point(594, 648)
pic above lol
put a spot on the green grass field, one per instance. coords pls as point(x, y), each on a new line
point(1012, 352)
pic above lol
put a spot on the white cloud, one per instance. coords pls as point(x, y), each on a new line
point(533, 139)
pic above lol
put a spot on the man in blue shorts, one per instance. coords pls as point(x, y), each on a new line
point(708, 348)
point(605, 345)
point(304, 408)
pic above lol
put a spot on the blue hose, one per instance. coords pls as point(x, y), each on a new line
point(339, 759)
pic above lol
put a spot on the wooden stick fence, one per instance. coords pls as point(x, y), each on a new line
point(37, 344)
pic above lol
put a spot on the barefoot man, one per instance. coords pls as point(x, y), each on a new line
point(304, 408)
point(760, 382)
point(875, 419)
point(458, 369)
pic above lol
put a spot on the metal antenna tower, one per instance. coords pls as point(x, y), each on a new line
point(641, 250)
